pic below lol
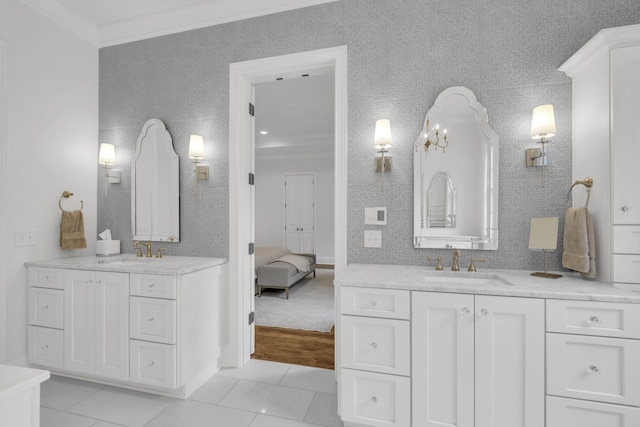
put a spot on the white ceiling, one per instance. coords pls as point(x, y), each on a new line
point(111, 22)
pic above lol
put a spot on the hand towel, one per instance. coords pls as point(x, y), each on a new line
point(579, 242)
point(72, 230)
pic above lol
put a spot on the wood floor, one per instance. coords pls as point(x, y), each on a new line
point(295, 346)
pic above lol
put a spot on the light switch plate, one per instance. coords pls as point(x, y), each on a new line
point(373, 239)
point(375, 216)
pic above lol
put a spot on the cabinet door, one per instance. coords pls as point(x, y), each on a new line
point(79, 321)
point(112, 325)
point(509, 370)
point(442, 362)
point(625, 134)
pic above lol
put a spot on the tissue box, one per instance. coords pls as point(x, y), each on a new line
point(107, 247)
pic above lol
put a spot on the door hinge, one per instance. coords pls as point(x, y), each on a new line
point(252, 110)
point(252, 179)
point(251, 317)
point(252, 248)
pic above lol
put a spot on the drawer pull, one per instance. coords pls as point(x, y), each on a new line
point(45, 347)
point(483, 312)
point(593, 369)
point(624, 209)
point(152, 285)
point(373, 345)
point(594, 320)
point(45, 307)
point(373, 303)
point(151, 319)
point(465, 310)
point(152, 364)
point(374, 399)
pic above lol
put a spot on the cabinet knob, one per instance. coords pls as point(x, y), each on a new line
point(151, 319)
point(373, 303)
point(624, 209)
point(152, 285)
point(593, 369)
point(152, 364)
point(373, 345)
point(483, 312)
point(45, 347)
point(594, 320)
point(465, 310)
point(374, 399)
point(45, 307)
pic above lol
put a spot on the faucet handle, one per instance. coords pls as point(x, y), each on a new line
point(472, 265)
point(159, 252)
point(438, 262)
point(136, 245)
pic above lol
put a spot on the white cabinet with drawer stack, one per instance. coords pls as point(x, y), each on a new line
point(119, 322)
point(593, 364)
point(375, 357)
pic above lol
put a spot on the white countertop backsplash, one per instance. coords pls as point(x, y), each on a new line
point(129, 263)
point(517, 283)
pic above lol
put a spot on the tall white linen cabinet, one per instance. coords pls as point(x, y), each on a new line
point(605, 76)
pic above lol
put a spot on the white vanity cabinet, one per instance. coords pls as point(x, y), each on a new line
point(96, 323)
point(123, 325)
point(477, 360)
point(605, 76)
point(593, 364)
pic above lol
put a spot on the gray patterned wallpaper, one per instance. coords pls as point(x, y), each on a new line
point(401, 55)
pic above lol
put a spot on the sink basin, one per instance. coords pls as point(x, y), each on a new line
point(125, 261)
point(465, 278)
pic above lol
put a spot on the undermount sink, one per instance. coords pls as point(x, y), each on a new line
point(125, 260)
point(465, 278)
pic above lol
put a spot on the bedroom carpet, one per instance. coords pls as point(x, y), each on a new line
point(295, 347)
point(310, 305)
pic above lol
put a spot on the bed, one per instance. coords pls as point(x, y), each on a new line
point(279, 268)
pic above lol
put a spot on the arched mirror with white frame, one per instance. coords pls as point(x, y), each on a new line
point(456, 175)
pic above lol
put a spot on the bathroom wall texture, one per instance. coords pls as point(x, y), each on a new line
point(401, 55)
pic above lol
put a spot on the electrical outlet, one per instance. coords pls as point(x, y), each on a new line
point(26, 237)
point(373, 239)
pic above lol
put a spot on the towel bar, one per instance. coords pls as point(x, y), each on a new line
point(587, 182)
point(66, 195)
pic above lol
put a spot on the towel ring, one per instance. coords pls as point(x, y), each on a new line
point(66, 195)
point(587, 182)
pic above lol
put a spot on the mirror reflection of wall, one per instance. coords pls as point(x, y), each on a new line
point(441, 202)
point(456, 194)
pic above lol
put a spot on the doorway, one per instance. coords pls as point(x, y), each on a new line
point(239, 338)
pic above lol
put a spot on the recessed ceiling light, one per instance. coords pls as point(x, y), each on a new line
point(263, 132)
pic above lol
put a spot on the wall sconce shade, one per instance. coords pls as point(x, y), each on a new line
point(543, 126)
point(382, 142)
point(196, 147)
point(107, 155)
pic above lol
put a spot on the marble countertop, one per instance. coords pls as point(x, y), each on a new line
point(14, 379)
point(518, 283)
point(129, 263)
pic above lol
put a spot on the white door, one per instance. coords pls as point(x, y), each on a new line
point(625, 137)
point(509, 372)
point(112, 325)
point(443, 359)
point(299, 213)
point(79, 321)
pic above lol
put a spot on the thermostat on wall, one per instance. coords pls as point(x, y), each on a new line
point(375, 216)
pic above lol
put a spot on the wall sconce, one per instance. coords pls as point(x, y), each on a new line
point(435, 140)
point(196, 153)
point(107, 158)
point(544, 236)
point(543, 126)
point(382, 142)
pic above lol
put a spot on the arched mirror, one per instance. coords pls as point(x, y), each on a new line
point(155, 197)
point(456, 175)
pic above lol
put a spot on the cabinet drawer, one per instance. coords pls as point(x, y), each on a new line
point(375, 399)
point(45, 277)
point(626, 268)
point(380, 345)
point(581, 413)
point(390, 303)
point(626, 239)
point(46, 346)
point(594, 318)
point(153, 364)
point(152, 285)
point(152, 319)
point(46, 307)
point(593, 368)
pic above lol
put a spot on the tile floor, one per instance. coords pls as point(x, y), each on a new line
point(260, 394)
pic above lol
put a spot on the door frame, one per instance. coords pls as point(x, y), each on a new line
point(242, 77)
point(4, 219)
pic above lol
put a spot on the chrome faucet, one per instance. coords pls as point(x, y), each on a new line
point(456, 255)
